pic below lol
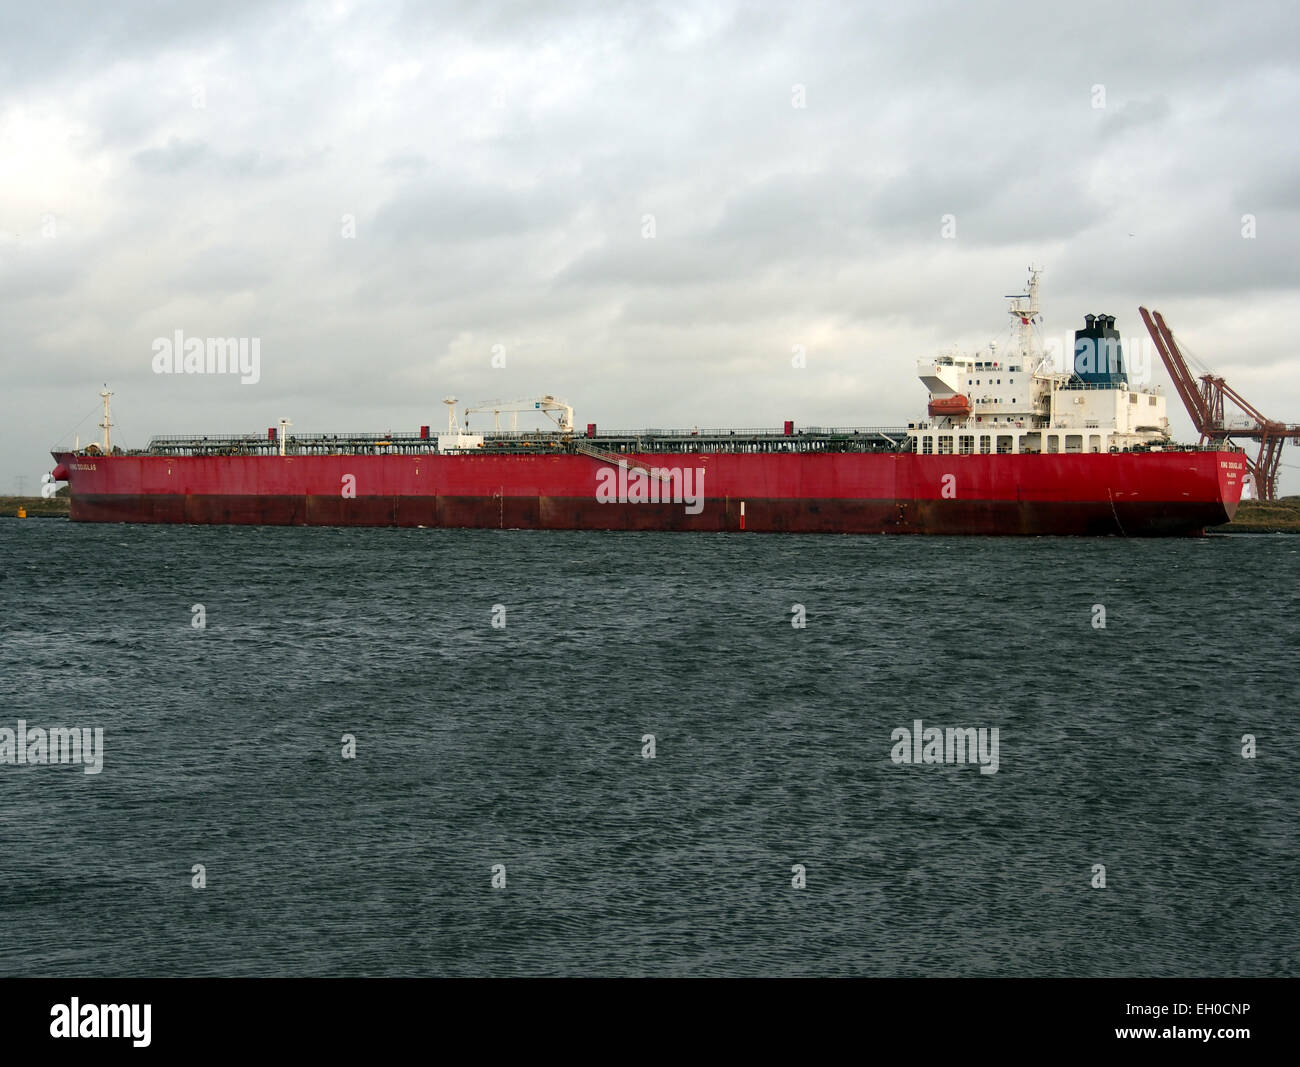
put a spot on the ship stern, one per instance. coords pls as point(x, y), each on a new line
point(1232, 477)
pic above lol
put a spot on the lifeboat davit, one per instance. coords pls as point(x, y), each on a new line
point(953, 407)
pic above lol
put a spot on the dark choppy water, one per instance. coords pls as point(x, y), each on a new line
point(522, 746)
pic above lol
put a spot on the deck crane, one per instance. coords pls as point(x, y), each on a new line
point(1204, 403)
point(556, 410)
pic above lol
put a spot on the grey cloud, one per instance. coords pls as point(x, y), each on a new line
point(179, 156)
point(451, 213)
point(521, 224)
point(81, 38)
point(1134, 113)
point(174, 157)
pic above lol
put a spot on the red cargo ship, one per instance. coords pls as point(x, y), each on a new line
point(1011, 447)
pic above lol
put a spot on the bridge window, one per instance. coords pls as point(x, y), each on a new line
point(1074, 442)
point(927, 445)
point(945, 445)
point(1004, 444)
point(966, 444)
point(985, 442)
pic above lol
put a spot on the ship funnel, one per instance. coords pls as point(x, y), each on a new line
point(1098, 356)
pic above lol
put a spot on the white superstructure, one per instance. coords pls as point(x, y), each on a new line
point(1014, 401)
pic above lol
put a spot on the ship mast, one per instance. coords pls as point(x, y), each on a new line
point(107, 424)
point(1024, 308)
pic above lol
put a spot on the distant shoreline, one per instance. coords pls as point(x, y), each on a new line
point(1278, 516)
point(38, 507)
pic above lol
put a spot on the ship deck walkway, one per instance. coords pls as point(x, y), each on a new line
point(609, 447)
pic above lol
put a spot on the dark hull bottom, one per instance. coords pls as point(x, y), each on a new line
point(1024, 517)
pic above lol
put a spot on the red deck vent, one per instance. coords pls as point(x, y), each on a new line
point(789, 427)
point(591, 429)
point(270, 433)
point(424, 433)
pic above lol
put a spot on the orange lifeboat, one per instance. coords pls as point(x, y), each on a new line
point(953, 407)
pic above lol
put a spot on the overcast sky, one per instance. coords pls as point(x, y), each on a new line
point(186, 166)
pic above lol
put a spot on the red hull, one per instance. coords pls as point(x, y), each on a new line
point(1155, 493)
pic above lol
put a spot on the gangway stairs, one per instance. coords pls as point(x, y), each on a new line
point(603, 455)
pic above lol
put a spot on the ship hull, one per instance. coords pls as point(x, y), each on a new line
point(1127, 494)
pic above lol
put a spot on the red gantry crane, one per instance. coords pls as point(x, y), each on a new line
point(1204, 403)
